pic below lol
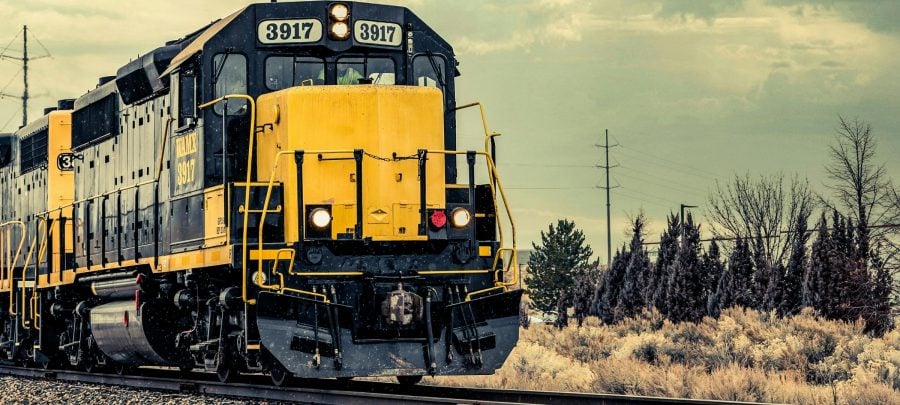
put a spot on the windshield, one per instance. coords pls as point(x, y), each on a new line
point(288, 71)
point(366, 71)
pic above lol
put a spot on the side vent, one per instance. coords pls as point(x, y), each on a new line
point(96, 115)
point(140, 78)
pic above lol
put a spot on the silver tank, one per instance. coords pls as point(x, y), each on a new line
point(132, 337)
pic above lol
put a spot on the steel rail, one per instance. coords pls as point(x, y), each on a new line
point(327, 391)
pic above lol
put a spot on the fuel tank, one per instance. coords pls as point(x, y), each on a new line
point(134, 335)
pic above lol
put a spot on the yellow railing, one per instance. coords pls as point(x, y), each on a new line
point(270, 184)
point(11, 261)
point(494, 179)
point(512, 263)
point(250, 148)
point(41, 244)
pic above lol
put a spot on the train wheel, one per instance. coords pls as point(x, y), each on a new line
point(226, 373)
point(280, 376)
point(89, 364)
point(122, 369)
point(226, 370)
point(409, 379)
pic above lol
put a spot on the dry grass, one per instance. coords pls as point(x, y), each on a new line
point(745, 355)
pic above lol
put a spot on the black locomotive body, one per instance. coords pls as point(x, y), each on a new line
point(279, 192)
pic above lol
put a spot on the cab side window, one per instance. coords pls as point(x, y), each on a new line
point(230, 77)
point(186, 93)
point(430, 70)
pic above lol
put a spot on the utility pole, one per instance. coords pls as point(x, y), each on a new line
point(606, 167)
point(24, 59)
point(25, 74)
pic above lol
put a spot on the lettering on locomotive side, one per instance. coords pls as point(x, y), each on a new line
point(186, 145)
point(187, 148)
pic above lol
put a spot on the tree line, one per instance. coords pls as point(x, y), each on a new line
point(764, 254)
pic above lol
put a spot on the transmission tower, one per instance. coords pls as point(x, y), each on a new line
point(24, 59)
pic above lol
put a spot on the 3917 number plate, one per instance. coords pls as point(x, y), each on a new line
point(289, 31)
point(377, 33)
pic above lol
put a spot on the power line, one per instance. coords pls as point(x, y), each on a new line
point(549, 188)
point(550, 165)
point(677, 183)
point(3, 128)
point(658, 184)
point(631, 154)
point(698, 170)
point(630, 196)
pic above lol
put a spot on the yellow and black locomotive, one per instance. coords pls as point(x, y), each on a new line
point(279, 192)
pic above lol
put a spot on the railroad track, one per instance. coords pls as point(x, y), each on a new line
point(337, 392)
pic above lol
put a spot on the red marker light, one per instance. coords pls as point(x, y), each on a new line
point(438, 219)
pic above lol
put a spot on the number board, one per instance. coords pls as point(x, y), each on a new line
point(289, 31)
point(187, 172)
point(65, 161)
point(377, 33)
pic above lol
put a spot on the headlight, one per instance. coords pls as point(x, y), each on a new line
point(340, 30)
point(340, 12)
point(319, 218)
point(460, 217)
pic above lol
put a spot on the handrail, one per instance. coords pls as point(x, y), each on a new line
point(13, 260)
point(488, 135)
point(252, 103)
point(291, 257)
point(41, 221)
point(492, 173)
point(47, 233)
point(265, 209)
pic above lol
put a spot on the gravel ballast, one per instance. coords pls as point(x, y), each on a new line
point(16, 390)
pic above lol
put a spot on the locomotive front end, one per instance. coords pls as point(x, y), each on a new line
point(384, 267)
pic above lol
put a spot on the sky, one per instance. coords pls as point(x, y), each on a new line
point(692, 92)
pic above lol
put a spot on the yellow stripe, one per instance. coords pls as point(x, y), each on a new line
point(444, 272)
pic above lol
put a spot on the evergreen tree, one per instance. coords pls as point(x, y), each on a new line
point(762, 275)
point(817, 281)
point(880, 320)
point(612, 285)
point(774, 289)
point(793, 285)
point(631, 298)
point(842, 298)
point(685, 286)
point(585, 286)
point(739, 288)
point(712, 268)
point(554, 266)
point(655, 293)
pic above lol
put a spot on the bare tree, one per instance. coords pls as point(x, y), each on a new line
point(861, 186)
point(762, 211)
